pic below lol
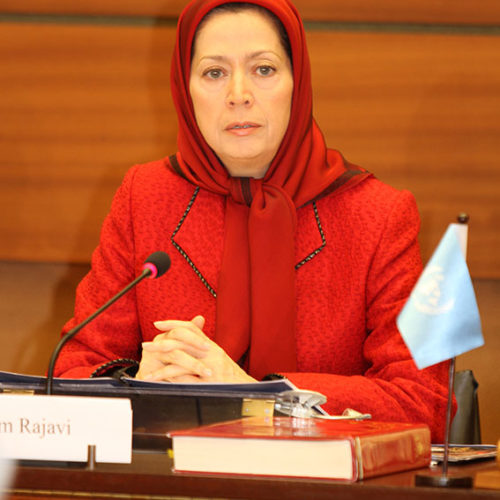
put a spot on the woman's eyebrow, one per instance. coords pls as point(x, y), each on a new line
point(251, 55)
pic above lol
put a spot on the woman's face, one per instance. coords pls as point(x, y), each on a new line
point(241, 86)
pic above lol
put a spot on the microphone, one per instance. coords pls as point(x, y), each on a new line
point(157, 264)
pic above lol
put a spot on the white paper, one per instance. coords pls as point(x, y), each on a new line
point(60, 428)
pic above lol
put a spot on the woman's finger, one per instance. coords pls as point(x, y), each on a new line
point(187, 336)
point(169, 373)
point(199, 321)
point(189, 363)
point(167, 345)
point(170, 324)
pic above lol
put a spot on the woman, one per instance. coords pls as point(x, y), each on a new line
point(285, 258)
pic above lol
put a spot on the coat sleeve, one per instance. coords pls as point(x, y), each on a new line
point(113, 338)
point(392, 388)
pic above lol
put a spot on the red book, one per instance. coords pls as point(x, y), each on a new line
point(302, 447)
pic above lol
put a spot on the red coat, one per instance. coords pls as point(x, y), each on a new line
point(357, 260)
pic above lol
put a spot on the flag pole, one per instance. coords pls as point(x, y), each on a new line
point(443, 480)
point(451, 383)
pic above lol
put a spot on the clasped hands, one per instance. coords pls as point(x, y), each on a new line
point(182, 353)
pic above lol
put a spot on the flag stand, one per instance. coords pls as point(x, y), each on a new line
point(443, 480)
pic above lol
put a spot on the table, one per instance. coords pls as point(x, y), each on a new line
point(150, 476)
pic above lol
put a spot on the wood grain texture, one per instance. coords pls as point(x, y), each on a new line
point(421, 112)
point(446, 12)
point(80, 104)
point(482, 361)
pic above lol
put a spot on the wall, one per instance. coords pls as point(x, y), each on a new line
point(408, 89)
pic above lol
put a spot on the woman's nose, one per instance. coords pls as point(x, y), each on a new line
point(239, 91)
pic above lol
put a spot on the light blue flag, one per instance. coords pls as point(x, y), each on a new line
point(441, 320)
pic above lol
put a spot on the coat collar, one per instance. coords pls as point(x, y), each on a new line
point(199, 235)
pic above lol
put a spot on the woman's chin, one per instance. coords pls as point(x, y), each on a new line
point(246, 170)
point(246, 166)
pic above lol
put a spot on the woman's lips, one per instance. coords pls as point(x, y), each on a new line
point(242, 128)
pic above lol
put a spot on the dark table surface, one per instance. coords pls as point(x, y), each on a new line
point(150, 475)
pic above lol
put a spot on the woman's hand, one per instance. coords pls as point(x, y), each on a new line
point(183, 353)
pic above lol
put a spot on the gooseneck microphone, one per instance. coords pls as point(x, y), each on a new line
point(157, 264)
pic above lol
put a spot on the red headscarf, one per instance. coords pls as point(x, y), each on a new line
point(256, 290)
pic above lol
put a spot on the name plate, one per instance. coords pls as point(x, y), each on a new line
point(61, 428)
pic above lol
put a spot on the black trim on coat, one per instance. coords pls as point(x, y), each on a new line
point(183, 252)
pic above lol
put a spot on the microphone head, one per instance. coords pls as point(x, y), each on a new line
point(158, 263)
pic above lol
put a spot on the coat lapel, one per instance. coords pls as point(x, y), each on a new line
point(200, 236)
point(310, 238)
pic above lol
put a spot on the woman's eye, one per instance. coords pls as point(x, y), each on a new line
point(265, 70)
point(213, 73)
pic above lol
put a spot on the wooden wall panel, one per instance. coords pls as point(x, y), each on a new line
point(482, 361)
point(79, 105)
point(447, 12)
point(82, 103)
point(36, 301)
point(135, 8)
point(421, 112)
